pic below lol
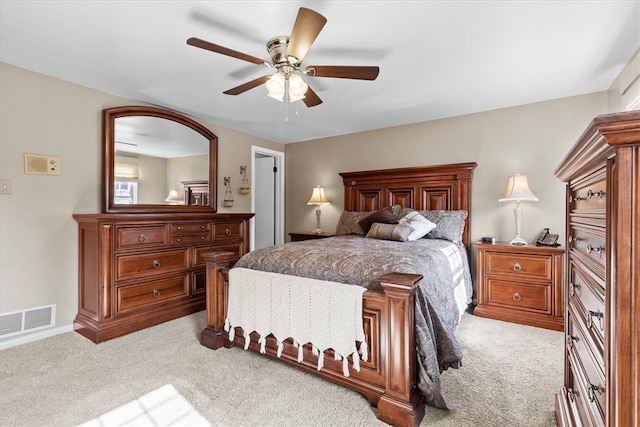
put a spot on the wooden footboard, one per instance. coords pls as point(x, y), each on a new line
point(387, 378)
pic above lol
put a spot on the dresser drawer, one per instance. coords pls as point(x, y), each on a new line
point(504, 293)
point(587, 300)
point(160, 262)
point(189, 227)
point(141, 236)
point(532, 266)
point(591, 385)
point(578, 398)
point(227, 231)
point(137, 296)
point(590, 197)
point(582, 343)
point(188, 239)
point(235, 247)
point(590, 243)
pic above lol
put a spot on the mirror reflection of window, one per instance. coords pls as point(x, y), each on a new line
point(126, 174)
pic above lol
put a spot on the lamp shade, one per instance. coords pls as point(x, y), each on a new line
point(518, 190)
point(173, 197)
point(318, 197)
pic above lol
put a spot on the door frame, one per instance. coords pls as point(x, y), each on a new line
point(279, 193)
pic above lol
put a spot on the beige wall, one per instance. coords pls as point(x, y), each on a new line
point(38, 236)
point(531, 140)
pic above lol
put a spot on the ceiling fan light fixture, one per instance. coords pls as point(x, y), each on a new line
point(297, 88)
point(275, 86)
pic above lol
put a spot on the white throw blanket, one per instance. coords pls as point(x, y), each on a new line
point(325, 314)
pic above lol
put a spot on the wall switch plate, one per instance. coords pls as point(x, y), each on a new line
point(41, 164)
point(5, 186)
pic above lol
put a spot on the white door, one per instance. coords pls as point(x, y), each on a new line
point(267, 201)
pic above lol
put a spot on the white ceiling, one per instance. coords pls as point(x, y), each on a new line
point(437, 58)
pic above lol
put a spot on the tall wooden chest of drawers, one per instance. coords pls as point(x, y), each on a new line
point(602, 292)
point(138, 270)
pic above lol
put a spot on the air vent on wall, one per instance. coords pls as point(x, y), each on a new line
point(27, 320)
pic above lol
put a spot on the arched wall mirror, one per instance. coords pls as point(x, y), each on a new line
point(156, 160)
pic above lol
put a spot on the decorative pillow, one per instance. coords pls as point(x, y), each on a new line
point(396, 232)
point(449, 224)
point(421, 226)
point(348, 223)
point(383, 216)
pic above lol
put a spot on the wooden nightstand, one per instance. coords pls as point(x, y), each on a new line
point(308, 235)
point(520, 284)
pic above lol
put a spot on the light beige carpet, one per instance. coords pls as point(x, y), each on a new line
point(163, 376)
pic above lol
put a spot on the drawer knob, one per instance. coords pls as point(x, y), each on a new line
point(227, 232)
point(202, 238)
point(517, 297)
point(156, 293)
point(573, 198)
point(179, 228)
point(571, 339)
point(202, 226)
point(590, 314)
point(599, 249)
point(517, 267)
point(598, 194)
point(142, 238)
point(572, 289)
point(593, 389)
point(572, 394)
point(573, 239)
point(179, 239)
point(156, 264)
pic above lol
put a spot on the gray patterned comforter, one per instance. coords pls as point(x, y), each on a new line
point(357, 260)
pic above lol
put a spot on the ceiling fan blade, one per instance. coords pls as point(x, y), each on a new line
point(305, 30)
point(202, 44)
point(311, 99)
point(343, 72)
point(246, 86)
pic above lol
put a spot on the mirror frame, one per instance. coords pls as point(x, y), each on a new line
point(108, 179)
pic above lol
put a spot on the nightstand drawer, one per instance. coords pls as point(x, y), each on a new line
point(533, 266)
point(502, 293)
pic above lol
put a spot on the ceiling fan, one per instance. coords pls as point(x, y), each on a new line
point(287, 53)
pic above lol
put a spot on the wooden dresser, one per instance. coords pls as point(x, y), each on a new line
point(138, 270)
point(602, 309)
point(520, 284)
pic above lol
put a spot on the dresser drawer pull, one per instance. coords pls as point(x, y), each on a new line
point(572, 394)
point(573, 239)
point(599, 249)
point(203, 238)
point(227, 232)
point(571, 340)
point(517, 267)
point(517, 297)
point(156, 293)
point(178, 227)
point(179, 240)
point(589, 314)
point(203, 226)
point(598, 194)
point(156, 264)
point(593, 389)
point(572, 289)
point(576, 198)
point(142, 238)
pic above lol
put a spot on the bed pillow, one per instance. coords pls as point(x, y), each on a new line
point(397, 232)
point(348, 223)
point(421, 226)
point(449, 224)
point(383, 216)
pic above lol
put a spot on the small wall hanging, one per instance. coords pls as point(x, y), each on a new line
point(244, 184)
point(228, 196)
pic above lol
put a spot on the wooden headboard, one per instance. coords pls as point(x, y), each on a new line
point(441, 187)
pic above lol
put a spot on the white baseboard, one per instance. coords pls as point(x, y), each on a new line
point(19, 340)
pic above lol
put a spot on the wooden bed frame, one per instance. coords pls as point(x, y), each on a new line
point(388, 378)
